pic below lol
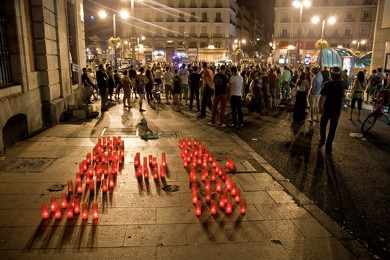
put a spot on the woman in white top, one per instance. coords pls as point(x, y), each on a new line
point(302, 86)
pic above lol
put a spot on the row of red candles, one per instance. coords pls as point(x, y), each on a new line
point(195, 156)
point(143, 170)
point(99, 164)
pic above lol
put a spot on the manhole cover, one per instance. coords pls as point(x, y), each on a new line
point(175, 134)
point(244, 166)
point(123, 132)
point(30, 164)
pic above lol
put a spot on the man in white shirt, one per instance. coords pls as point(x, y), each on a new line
point(236, 85)
point(168, 75)
point(184, 75)
point(286, 77)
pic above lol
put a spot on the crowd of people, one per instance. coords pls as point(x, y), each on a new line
point(203, 86)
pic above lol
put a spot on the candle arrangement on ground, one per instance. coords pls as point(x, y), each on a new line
point(214, 183)
point(98, 171)
point(150, 166)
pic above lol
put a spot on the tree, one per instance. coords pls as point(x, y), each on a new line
point(321, 44)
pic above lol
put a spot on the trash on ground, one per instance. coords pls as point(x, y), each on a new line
point(170, 188)
point(56, 187)
point(149, 136)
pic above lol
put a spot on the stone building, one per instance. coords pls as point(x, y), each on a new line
point(42, 51)
point(381, 48)
point(354, 27)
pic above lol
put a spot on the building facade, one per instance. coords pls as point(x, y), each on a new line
point(381, 46)
point(159, 30)
point(354, 27)
point(41, 53)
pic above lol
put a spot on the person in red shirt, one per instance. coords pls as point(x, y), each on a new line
point(272, 87)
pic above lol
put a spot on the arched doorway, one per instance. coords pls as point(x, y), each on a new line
point(14, 130)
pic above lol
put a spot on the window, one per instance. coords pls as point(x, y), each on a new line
point(204, 29)
point(204, 17)
point(347, 32)
point(349, 15)
point(299, 31)
point(181, 17)
point(218, 17)
point(181, 29)
point(284, 32)
point(218, 30)
point(193, 18)
point(193, 30)
point(366, 14)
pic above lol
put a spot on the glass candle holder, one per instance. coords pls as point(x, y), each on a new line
point(45, 211)
point(84, 211)
point(95, 211)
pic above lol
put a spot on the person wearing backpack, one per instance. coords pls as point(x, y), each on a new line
point(256, 88)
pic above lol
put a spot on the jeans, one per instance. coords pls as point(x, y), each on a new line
point(285, 89)
point(258, 103)
point(206, 100)
point(334, 119)
point(235, 103)
point(194, 92)
point(104, 97)
point(223, 99)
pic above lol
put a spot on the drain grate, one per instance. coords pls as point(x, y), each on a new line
point(24, 165)
point(174, 134)
point(123, 132)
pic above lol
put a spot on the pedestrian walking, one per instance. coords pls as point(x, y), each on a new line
point(221, 82)
point(302, 86)
point(167, 75)
point(314, 93)
point(87, 86)
point(194, 87)
point(207, 85)
point(101, 78)
point(141, 82)
point(331, 97)
point(357, 94)
point(286, 77)
point(126, 84)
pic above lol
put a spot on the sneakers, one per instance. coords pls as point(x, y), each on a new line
point(211, 123)
point(222, 126)
point(241, 125)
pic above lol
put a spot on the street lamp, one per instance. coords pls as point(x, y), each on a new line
point(358, 43)
point(315, 20)
point(124, 15)
point(300, 4)
point(237, 45)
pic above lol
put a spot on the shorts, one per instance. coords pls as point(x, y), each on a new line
point(359, 101)
point(272, 92)
point(313, 101)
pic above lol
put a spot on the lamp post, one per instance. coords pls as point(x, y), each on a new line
point(124, 14)
point(316, 19)
point(300, 4)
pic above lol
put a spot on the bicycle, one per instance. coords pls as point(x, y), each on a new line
point(378, 111)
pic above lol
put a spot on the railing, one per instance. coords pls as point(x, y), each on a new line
point(349, 19)
point(158, 20)
point(366, 19)
point(170, 19)
point(217, 20)
point(285, 20)
point(181, 20)
point(204, 20)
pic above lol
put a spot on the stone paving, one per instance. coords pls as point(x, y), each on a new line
point(139, 220)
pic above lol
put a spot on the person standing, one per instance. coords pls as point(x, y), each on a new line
point(278, 84)
point(256, 87)
point(314, 93)
point(87, 86)
point(133, 79)
point(236, 85)
point(176, 92)
point(359, 85)
point(286, 77)
point(325, 74)
point(126, 85)
point(330, 102)
point(149, 85)
point(207, 82)
point(167, 75)
point(184, 75)
point(111, 82)
point(221, 82)
point(92, 78)
point(194, 87)
point(101, 78)
point(142, 80)
point(272, 88)
point(300, 99)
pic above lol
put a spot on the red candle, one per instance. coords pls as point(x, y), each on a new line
point(233, 190)
point(243, 206)
point(213, 207)
point(194, 196)
point(105, 169)
point(150, 160)
point(213, 176)
point(237, 196)
point(218, 186)
point(98, 177)
point(111, 182)
point(146, 173)
point(162, 172)
point(57, 214)
point(139, 172)
point(69, 212)
point(78, 177)
point(198, 208)
point(208, 196)
point(88, 158)
point(84, 211)
point(64, 201)
point(76, 207)
point(45, 211)
point(104, 185)
point(90, 170)
point(136, 159)
point(70, 187)
point(53, 203)
point(79, 187)
point(192, 176)
point(81, 168)
point(229, 207)
point(222, 202)
point(163, 160)
point(95, 211)
point(91, 186)
point(207, 185)
point(87, 179)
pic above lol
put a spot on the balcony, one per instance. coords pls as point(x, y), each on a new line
point(218, 6)
point(285, 20)
point(181, 5)
point(218, 20)
point(204, 5)
point(170, 20)
point(284, 35)
point(182, 20)
point(193, 5)
point(349, 19)
point(366, 19)
point(158, 20)
point(218, 35)
point(170, 34)
point(192, 19)
point(204, 20)
point(204, 35)
point(193, 35)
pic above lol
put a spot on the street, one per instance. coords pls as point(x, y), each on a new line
point(351, 186)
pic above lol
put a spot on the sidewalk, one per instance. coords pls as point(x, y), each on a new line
point(138, 220)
